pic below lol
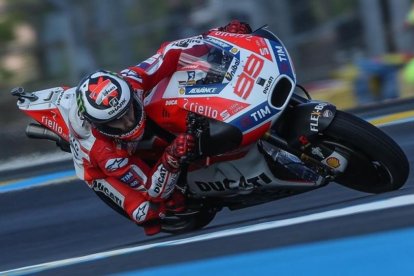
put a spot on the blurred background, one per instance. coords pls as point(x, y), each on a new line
point(349, 52)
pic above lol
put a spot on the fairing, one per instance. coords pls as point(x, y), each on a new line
point(232, 80)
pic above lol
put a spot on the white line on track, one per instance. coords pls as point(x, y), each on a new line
point(34, 159)
point(400, 121)
point(351, 210)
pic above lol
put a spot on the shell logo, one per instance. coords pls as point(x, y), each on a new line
point(333, 162)
point(181, 91)
point(234, 50)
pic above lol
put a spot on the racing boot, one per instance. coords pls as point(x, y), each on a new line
point(176, 203)
point(152, 227)
point(153, 216)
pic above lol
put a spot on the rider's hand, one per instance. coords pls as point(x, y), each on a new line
point(237, 27)
point(179, 148)
point(182, 145)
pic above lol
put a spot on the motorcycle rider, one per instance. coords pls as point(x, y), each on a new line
point(107, 124)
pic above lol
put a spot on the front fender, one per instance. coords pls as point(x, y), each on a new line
point(305, 120)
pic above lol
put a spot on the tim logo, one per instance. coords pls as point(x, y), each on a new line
point(261, 114)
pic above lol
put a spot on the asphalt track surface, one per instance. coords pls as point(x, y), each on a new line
point(64, 229)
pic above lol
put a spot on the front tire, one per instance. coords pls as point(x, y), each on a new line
point(376, 163)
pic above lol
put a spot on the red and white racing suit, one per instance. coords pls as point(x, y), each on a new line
point(110, 168)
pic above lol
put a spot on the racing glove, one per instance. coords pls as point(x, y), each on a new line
point(236, 27)
point(177, 151)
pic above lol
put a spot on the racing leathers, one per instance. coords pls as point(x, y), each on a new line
point(141, 191)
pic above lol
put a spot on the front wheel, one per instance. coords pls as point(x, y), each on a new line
point(376, 163)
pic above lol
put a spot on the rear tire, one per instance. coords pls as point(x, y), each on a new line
point(179, 225)
point(204, 218)
point(377, 164)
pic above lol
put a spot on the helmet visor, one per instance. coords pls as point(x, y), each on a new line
point(127, 124)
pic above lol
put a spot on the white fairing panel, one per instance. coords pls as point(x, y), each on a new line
point(239, 176)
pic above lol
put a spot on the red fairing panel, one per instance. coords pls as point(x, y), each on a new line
point(252, 43)
point(52, 119)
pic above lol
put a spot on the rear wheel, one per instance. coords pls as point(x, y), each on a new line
point(376, 163)
point(177, 224)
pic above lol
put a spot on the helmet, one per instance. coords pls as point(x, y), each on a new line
point(104, 98)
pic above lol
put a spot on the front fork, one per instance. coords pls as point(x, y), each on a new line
point(299, 132)
point(319, 166)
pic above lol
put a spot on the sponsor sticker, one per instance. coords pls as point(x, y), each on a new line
point(134, 177)
point(218, 42)
point(282, 59)
point(104, 187)
point(315, 115)
point(171, 102)
point(201, 90)
point(268, 85)
point(232, 72)
point(234, 50)
point(200, 108)
point(158, 181)
point(333, 162)
point(52, 124)
point(186, 42)
point(256, 116)
point(231, 184)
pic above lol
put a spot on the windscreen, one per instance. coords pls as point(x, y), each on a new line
point(208, 63)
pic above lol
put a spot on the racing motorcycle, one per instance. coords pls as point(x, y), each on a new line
point(260, 137)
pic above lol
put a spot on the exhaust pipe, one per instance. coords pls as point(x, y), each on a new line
point(36, 131)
